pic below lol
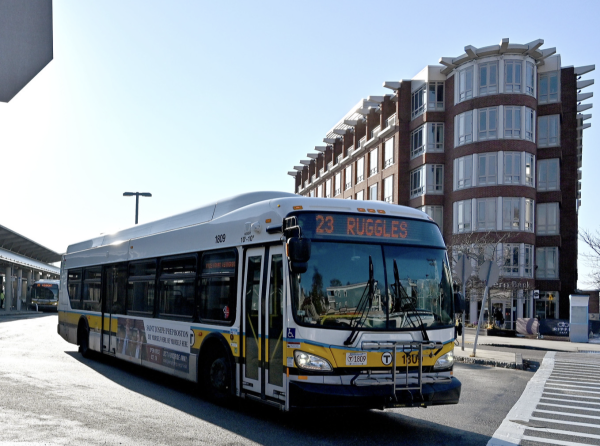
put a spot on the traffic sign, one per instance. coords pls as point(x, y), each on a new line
point(463, 268)
point(489, 273)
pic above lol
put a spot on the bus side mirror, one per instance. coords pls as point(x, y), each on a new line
point(298, 254)
point(459, 303)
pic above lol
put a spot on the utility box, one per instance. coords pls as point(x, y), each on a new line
point(578, 323)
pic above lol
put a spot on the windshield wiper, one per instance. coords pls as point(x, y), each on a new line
point(400, 290)
point(363, 307)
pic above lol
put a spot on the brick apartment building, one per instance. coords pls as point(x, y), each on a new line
point(489, 142)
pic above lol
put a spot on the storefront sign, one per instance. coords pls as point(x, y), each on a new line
point(554, 327)
point(513, 285)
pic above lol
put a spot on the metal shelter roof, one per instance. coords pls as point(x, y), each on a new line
point(17, 259)
point(18, 244)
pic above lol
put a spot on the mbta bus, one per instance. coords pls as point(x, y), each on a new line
point(44, 294)
point(292, 301)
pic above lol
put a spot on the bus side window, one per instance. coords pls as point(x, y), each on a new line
point(140, 288)
point(218, 287)
point(176, 285)
point(91, 289)
point(74, 287)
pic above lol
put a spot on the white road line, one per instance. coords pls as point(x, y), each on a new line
point(575, 380)
point(574, 390)
point(556, 382)
point(567, 407)
point(576, 371)
point(510, 432)
point(577, 365)
point(553, 441)
point(561, 432)
point(572, 423)
point(576, 415)
point(576, 375)
point(570, 401)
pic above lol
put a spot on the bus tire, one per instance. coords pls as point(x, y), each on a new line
point(217, 375)
point(83, 339)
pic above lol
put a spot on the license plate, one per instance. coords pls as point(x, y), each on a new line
point(356, 359)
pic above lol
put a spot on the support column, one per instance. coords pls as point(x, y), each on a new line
point(29, 283)
point(38, 275)
point(19, 288)
point(8, 288)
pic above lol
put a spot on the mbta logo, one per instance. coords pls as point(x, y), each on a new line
point(386, 358)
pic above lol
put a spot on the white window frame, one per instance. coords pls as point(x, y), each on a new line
point(388, 153)
point(511, 255)
point(388, 189)
point(348, 177)
point(338, 184)
point(434, 89)
point(548, 219)
point(511, 214)
point(545, 81)
point(512, 122)
point(485, 76)
point(417, 182)
point(490, 175)
point(529, 124)
point(546, 262)
point(513, 83)
point(360, 170)
point(486, 217)
point(464, 216)
point(487, 123)
point(530, 76)
point(464, 123)
point(465, 84)
point(434, 178)
point(373, 192)
point(417, 142)
point(527, 260)
point(328, 188)
point(549, 131)
point(545, 183)
point(435, 212)
point(360, 195)
point(512, 168)
point(463, 167)
point(373, 160)
point(419, 101)
point(435, 137)
point(529, 169)
point(529, 225)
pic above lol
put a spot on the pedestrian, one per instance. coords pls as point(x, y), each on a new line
point(498, 318)
point(1, 298)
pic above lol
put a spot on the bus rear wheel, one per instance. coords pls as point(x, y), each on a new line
point(216, 376)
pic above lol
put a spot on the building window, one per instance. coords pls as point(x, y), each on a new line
point(388, 153)
point(465, 84)
point(464, 172)
point(465, 127)
point(417, 142)
point(348, 177)
point(528, 215)
point(511, 259)
point(373, 192)
point(360, 195)
point(512, 122)
point(548, 131)
point(463, 216)
point(435, 100)
point(512, 76)
point(360, 170)
point(418, 102)
point(328, 188)
point(417, 182)
point(528, 261)
point(435, 178)
point(487, 170)
point(435, 212)
point(547, 219)
point(486, 214)
point(530, 79)
point(488, 123)
point(512, 167)
point(529, 169)
point(320, 191)
point(511, 214)
point(373, 158)
point(529, 123)
point(338, 184)
point(311, 193)
point(548, 175)
point(435, 137)
point(388, 189)
point(488, 78)
point(546, 262)
point(548, 87)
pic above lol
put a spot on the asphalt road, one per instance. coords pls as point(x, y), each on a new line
point(50, 395)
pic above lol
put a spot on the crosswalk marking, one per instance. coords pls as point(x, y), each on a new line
point(565, 387)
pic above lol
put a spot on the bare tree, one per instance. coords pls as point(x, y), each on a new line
point(592, 259)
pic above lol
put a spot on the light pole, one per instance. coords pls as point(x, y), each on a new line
point(137, 200)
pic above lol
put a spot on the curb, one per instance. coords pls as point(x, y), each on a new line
point(491, 362)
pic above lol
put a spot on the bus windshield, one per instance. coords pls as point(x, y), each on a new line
point(328, 293)
point(45, 291)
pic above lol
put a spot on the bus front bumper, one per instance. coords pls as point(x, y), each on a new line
point(311, 395)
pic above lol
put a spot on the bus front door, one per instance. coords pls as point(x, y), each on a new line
point(263, 372)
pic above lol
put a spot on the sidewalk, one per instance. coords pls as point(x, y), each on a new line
point(15, 313)
point(514, 359)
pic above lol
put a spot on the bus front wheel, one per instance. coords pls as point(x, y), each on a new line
point(83, 336)
point(216, 376)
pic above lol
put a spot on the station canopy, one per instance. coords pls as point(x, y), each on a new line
point(18, 244)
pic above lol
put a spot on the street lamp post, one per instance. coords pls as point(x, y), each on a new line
point(137, 200)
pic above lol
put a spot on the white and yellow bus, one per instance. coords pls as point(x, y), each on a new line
point(292, 301)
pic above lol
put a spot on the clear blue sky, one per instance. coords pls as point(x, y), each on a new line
point(195, 101)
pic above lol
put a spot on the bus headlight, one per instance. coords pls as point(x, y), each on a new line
point(444, 362)
point(314, 363)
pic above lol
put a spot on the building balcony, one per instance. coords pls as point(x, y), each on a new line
point(390, 126)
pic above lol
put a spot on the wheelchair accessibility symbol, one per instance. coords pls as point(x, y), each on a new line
point(386, 358)
point(291, 333)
